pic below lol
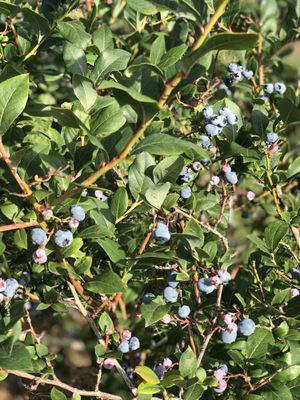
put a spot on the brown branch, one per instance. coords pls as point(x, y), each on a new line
point(206, 226)
point(62, 385)
point(18, 225)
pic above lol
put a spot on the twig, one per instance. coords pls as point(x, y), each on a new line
point(18, 225)
point(206, 226)
point(62, 385)
point(90, 320)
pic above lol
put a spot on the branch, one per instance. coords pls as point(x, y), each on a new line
point(85, 313)
point(18, 225)
point(206, 226)
point(62, 385)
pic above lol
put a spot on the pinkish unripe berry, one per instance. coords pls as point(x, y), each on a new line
point(219, 374)
point(166, 319)
point(73, 223)
point(226, 168)
point(167, 363)
point(47, 214)
point(232, 327)
point(126, 335)
point(294, 292)
point(2, 285)
point(109, 363)
point(250, 195)
point(215, 280)
point(215, 180)
point(196, 165)
point(227, 319)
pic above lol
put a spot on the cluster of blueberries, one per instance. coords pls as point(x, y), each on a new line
point(208, 285)
point(229, 334)
point(236, 73)
point(62, 238)
point(128, 342)
point(220, 373)
point(269, 88)
point(161, 368)
point(214, 124)
point(8, 288)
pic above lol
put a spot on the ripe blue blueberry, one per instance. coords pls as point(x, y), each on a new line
point(38, 236)
point(170, 294)
point(208, 112)
point(184, 311)
point(271, 138)
point(231, 177)
point(161, 233)
point(205, 141)
point(247, 74)
point(78, 213)
point(228, 337)
point(205, 285)
point(11, 287)
point(219, 120)
point(160, 370)
point(280, 87)
point(212, 130)
point(224, 368)
point(63, 238)
point(233, 67)
point(247, 327)
point(232, 119)
point(171, 280)
point(134, 343)
point(186, 192)
point(186, 178)
point(224, 87)
point(269, 88)
point(123, 347)
point(148, 297)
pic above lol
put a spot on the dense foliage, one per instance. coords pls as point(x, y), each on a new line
point(149, 184)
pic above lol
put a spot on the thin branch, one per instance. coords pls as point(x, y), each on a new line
point(62, 385)
point(18, 225)
point(206, 226)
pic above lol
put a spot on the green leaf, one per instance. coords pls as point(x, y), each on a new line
point(154, 311)
point(258, 343)
point(106, 324)
point(274, 233)
point(84, 91)
point(143, 6)
point(107, 121)
point(156, 194)
point(119, 202)
point(162, 145)
point(110, 60)
point(223, 41)
point(102, 38)
point(132, 92)
point(288, 111)
point(294, 168)
point(137, 178)
point(259, 122)
point(277, 392)
point(74, 32)
point(57, 394)
point(188, 363)
point(158, 49)
point(20, 239)
point(13, 98)
point(147, 374)
point(168, 169)
point(112, 249)
point(148, 388)
point(108, 283)
point(16, 357)
point(172, 56)
point(193, 392)
point(73, 248)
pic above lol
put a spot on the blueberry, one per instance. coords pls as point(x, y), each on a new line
point(220, 120)
point(205, 141)
point(233, 67)
point(247, 74)
point(222, 385)
point(271, 138)
point(170, 294)
point(224, 368)
point(269, 88)
point(160, 370)
point(38, 236)
point(186, 192)
point(247, 327)
point(134, 343)
point(280, 87)
point(186, 178)
point(231, 177)
point(245, 214)
point(225, 111)
point(212, 130)
point(184, 311)
point(148, 297)
point(78, 213)
point(123, 347)
point(224, 276)
point(63, 238)
point(162, 233)
point(232, 119)
point(226, 85)
point(205, 285)
point(12, 286)
point(208, 112)
point(228, 337)
point(172, 279)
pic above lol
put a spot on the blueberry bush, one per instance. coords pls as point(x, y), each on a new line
point(149, 197)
